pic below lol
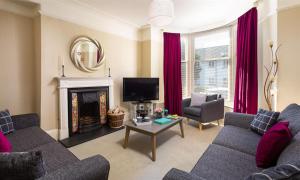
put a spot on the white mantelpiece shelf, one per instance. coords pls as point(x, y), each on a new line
point(64, 83)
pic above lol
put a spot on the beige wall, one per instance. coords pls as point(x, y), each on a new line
point(17, 69)
point(56, 36)
point(289, 57)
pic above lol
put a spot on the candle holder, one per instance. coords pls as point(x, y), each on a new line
point(63, 71)
point(109, 72)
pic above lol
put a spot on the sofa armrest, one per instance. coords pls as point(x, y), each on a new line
point(238, 119)
point(186, 103)
point(93, 168)
point(25, 120)
point(212, 110)
point(176, 174)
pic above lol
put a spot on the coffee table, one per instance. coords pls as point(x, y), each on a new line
point(151, 130)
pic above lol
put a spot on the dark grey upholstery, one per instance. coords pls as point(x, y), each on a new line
point(207, 112)
point(93, 168)
point(232, 154)
point(60, 163)
point(291, 114)
point(291, 154)
point(25, 121)
point(28, 138)
point(223, 163)
point(239, 139)
point(176, 174)
point(238, 119)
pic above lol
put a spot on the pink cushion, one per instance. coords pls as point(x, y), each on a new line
point(272, 143)
point(5, 145)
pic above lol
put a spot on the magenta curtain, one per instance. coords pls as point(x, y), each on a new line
point(172, 73)
point(246, 88)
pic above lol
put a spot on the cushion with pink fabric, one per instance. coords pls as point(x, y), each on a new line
point(272, 143)
point(5, 145)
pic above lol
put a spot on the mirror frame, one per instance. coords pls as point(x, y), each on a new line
point(77, 62)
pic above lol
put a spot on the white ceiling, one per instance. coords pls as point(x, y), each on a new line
point(190, 15)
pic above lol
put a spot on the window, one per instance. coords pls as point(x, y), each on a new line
point(211, 63)
point(184, 67)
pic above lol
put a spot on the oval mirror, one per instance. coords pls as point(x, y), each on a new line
point(87, 54)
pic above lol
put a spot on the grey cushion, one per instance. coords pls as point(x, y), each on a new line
point(28, 138)
point(291, 114)
point(56, 156)
point(6, 123)
point(284, 171)
point(240, 139)
point(291, 154)
point(194, 111)
point(211, 97)
point(21, 165)
point(263, 121)
point(222, 163)
point(197, 99)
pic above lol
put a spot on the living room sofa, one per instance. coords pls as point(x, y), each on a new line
point(60, 163)
point(231, 156)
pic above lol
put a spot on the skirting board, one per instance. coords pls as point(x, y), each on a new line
point(53, 133)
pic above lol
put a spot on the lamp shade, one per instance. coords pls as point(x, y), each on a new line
point(161, 12)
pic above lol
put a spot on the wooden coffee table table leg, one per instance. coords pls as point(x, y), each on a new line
point(181, 129)
point(126, 137)
point(153, 139)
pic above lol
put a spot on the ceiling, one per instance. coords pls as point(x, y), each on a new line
point(190, 15)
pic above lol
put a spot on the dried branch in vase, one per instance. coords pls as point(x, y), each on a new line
point(271, 75)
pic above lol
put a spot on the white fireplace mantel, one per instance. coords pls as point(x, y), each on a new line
point(64, 83)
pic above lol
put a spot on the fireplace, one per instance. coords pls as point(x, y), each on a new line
point(87, 109)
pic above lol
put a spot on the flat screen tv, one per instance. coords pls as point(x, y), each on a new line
point(140, 89)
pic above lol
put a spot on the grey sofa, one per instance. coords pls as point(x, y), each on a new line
point(211, 110)
point(231, 156)
point(60, 163)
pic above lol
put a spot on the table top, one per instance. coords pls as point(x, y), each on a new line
point(153, 128)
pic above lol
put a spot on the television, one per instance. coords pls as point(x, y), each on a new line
point(140, 89)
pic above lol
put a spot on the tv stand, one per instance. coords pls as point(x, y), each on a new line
point(142, 109)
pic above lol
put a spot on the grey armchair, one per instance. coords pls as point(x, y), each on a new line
point(211, 110)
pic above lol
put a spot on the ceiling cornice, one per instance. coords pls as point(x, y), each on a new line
point(81, 15)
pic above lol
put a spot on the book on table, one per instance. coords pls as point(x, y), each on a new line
point(143, 123)
point(162, 121)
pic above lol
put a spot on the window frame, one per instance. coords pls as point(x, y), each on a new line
point(191, 60)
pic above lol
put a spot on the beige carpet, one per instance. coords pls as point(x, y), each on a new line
point(134, 163)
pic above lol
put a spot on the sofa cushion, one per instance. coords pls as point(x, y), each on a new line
point(291, 114)
point(6, 123)
point(21, 165)
point(28, 138)
point(272, 144)
point(211, 97)
point(194, 111)
point(263, 121)
point(240, 139)
point(55, 156)
point(222, 163)
point(291, 154)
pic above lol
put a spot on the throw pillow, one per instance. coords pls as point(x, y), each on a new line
point(197, 99)
point(22, 165)
point(263, 120)
point(283, 171)
point(6, 123)
point(272, 144)
point(5, 145)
